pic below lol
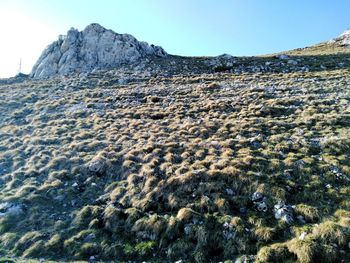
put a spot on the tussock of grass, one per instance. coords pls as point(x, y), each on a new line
point(164, 168)
point(331, 232)
point(310, 213)
point(275, 253)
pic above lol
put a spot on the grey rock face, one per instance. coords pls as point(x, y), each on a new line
point(93, 48)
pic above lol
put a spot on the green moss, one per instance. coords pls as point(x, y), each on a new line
point(145, 249)
point(86, 215)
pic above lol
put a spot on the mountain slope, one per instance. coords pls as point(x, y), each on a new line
point(183, 159)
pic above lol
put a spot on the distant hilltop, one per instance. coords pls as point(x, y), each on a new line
point(93, 48)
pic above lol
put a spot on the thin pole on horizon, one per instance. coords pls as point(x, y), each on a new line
point(20, 66)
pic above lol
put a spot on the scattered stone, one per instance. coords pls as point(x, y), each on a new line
point(283, 56)
point(288, 173)
point(81, 107)
point(315, 143)
point(257, 197)
point(245, 259)
point(92, 259)
point(284, 212)
point(302, 236)
point(153, 99)
point(262, 206)
point(90, 237)
point(188, 229)
point(292, 62)
point(123, 81)
point(259, 201)
point(228, 232)
point(97, 165)
point(59, 198)
point(299, 163)
point(255, 142)
point(230, 192)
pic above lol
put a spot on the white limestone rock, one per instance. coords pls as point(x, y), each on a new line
point(93, 48)
point(342, 39)
point(345, 37)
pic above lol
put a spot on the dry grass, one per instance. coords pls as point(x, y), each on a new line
point(179, 159)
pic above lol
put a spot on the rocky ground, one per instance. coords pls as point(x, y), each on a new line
point(179, 160)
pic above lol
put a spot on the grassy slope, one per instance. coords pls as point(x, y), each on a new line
point(324, 48)
point(181, 157)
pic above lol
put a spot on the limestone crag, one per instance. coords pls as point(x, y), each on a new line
point(343, 39)
point(93, 48)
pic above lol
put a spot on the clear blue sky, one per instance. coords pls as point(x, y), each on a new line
point(182, 27)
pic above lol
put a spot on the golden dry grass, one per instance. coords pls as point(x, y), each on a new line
point(180, 159)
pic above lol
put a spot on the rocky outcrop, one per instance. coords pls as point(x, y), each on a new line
point(343, 39)
point(93, 48)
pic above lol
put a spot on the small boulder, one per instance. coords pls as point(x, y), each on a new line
point(98, 165)
point(257, 197)
point(259, 201)
point(283, 56)
point(302, 236)
point(262, 206)
point(245, 259)
point(230, 192)
point(284, 212)
point(292, 62)
point(90, 237)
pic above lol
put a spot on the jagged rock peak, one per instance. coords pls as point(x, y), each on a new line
point(93, 48)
